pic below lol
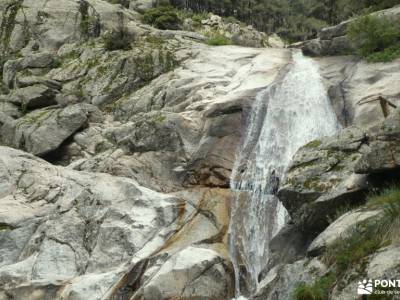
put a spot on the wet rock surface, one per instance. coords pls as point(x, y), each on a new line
point(333, 171)
point(282, 280)
point(321, 178)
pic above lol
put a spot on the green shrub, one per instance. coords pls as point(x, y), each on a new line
point(117, 40)
point(218, 40)
point(386, 197)
point(162, 17)
point(231, 19)
point(189, 14)
point(197, 18)
point(389, 200)
point(387, 55)
point(319, 290)
point(351, 252)
point(375, 38)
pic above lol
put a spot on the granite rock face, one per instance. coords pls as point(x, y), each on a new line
point(321, 178)
point(351, 83)
point(130, 196)
point(117, 182)
point(341, 228)
point(44, 130)
point(382, 154)
point(282, 280)
point(75, 232)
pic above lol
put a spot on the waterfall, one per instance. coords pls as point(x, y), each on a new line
point(284, 117)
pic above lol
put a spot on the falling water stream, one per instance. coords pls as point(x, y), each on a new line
point(284, 117)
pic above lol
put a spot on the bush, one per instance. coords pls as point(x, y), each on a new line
point(351, 252)
point(386, 55)
point(162, 17)
point(218, 40)
point(388, 196)
point(319, 290)
point(231, 19)
point(375, 38)
point(197, 18)
point(389, 200)
point(117, 40)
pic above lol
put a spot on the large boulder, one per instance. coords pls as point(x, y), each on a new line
point(384, 264)
point(383, 152)
point(317, 47)
point(281, 281)
point(340, 229)
point(321, 179)
point(287, 246)
point(10, 109)
point(333, 172)
point(193, 273)
point(44, 130)
point(32, 97)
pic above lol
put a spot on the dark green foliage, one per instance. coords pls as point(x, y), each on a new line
point(389, 200)
point(386, 55)
point(388, 196)
point(319, 290)
point(351, 252)
point(162, 17)
point(371, 35)
point(292, 19)
point(117, 40)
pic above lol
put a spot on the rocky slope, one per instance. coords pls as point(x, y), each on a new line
point(115, 165)
point(121, 188)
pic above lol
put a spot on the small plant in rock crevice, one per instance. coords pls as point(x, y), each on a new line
point(319, 290)
point(389, 201)
point(218, 40)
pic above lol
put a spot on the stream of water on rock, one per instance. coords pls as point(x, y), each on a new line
point(284, 117)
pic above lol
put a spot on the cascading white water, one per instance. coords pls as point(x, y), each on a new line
point(284, 117)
